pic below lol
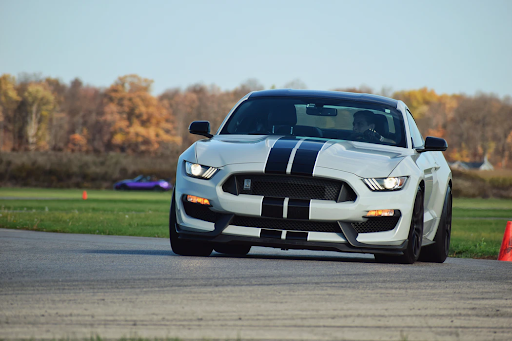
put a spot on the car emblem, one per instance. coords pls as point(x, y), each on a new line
point(247, 184)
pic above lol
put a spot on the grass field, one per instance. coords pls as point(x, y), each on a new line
point(478, 224)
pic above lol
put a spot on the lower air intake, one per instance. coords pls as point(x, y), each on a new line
point(379, 224)
point(200, 212)
point(286, 224)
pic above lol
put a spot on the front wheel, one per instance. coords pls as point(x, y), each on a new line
point(438, 252)
point(185, 247)
point(415, 238)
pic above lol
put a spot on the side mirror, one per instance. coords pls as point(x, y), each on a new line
point(200, 128)
point(434, 144)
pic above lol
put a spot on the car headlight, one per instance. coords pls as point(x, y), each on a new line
point(385, 184)
point(199, 171)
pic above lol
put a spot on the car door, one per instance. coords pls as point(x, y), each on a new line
point(427, 163)
point(152, 184)
point(141, 183)
point(146, 183)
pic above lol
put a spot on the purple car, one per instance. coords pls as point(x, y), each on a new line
point(143, 183)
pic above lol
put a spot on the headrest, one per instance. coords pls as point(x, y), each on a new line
point(282, 114)
point(307, 131)
point(381, 125)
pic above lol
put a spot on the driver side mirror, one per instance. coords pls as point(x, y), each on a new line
point(200, 128)
point(434, 144)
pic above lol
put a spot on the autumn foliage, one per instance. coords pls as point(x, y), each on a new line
point(136, 121)
point(45, 114)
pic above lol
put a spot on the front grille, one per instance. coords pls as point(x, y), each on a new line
point(286, 224)
point(288, 186)
point(376, 224)
point(200, 212)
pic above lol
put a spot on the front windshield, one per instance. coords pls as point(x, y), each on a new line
point(319, 118)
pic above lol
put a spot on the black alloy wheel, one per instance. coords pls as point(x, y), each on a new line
point(185, 247)
point(415, 238)
point(438, 252)
point(448, 226)
point(417, 227)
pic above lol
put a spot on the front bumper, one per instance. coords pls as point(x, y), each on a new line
point(228, 207)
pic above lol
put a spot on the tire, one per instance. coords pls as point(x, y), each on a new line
point(123, 188)
point(237, 250)
point(415, 237)
point(158, 189)
point(438, 252)
point(185, 247)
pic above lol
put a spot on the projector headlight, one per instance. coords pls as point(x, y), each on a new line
point(196, 170)
point(385, 184)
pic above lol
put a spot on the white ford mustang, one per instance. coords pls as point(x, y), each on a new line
point(317, 170)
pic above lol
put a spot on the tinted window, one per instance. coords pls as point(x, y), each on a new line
point(417, 139)
point(320, 118)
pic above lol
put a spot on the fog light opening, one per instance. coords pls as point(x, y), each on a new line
point(198, 200)
point(380, 213)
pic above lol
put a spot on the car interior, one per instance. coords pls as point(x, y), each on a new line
point(332, 122)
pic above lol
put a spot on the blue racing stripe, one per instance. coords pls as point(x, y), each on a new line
point(298, 209)
point(280, 155)
point(272, 207)
point(305, 157)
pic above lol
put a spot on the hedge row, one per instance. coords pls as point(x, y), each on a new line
point(75, 170)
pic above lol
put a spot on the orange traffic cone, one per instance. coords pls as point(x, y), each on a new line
point(506, 245)
point(84, 195)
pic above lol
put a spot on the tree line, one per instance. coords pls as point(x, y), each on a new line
point(42, 114)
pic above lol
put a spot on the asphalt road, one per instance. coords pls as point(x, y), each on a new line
point(74, 286)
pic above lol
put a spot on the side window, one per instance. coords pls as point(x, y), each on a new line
point(417, 140)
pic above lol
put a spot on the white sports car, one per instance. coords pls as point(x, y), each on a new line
point(317, 170)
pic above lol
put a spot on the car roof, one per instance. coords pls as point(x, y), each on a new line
point(351, 96)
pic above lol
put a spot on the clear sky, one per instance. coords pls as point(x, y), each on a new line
point(449, 46)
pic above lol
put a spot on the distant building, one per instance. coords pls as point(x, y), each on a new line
point(484, 165)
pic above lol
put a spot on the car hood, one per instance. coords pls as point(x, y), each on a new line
point(359, 158)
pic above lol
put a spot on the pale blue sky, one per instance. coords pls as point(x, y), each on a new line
point(450, 46)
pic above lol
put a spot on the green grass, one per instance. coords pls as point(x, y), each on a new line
point(146, 214)
point(464, 213)
point(481, 204)
point(477, 238)
point(77, 194)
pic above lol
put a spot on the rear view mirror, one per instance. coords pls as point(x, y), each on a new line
point(314, 110)
point(200, 128)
